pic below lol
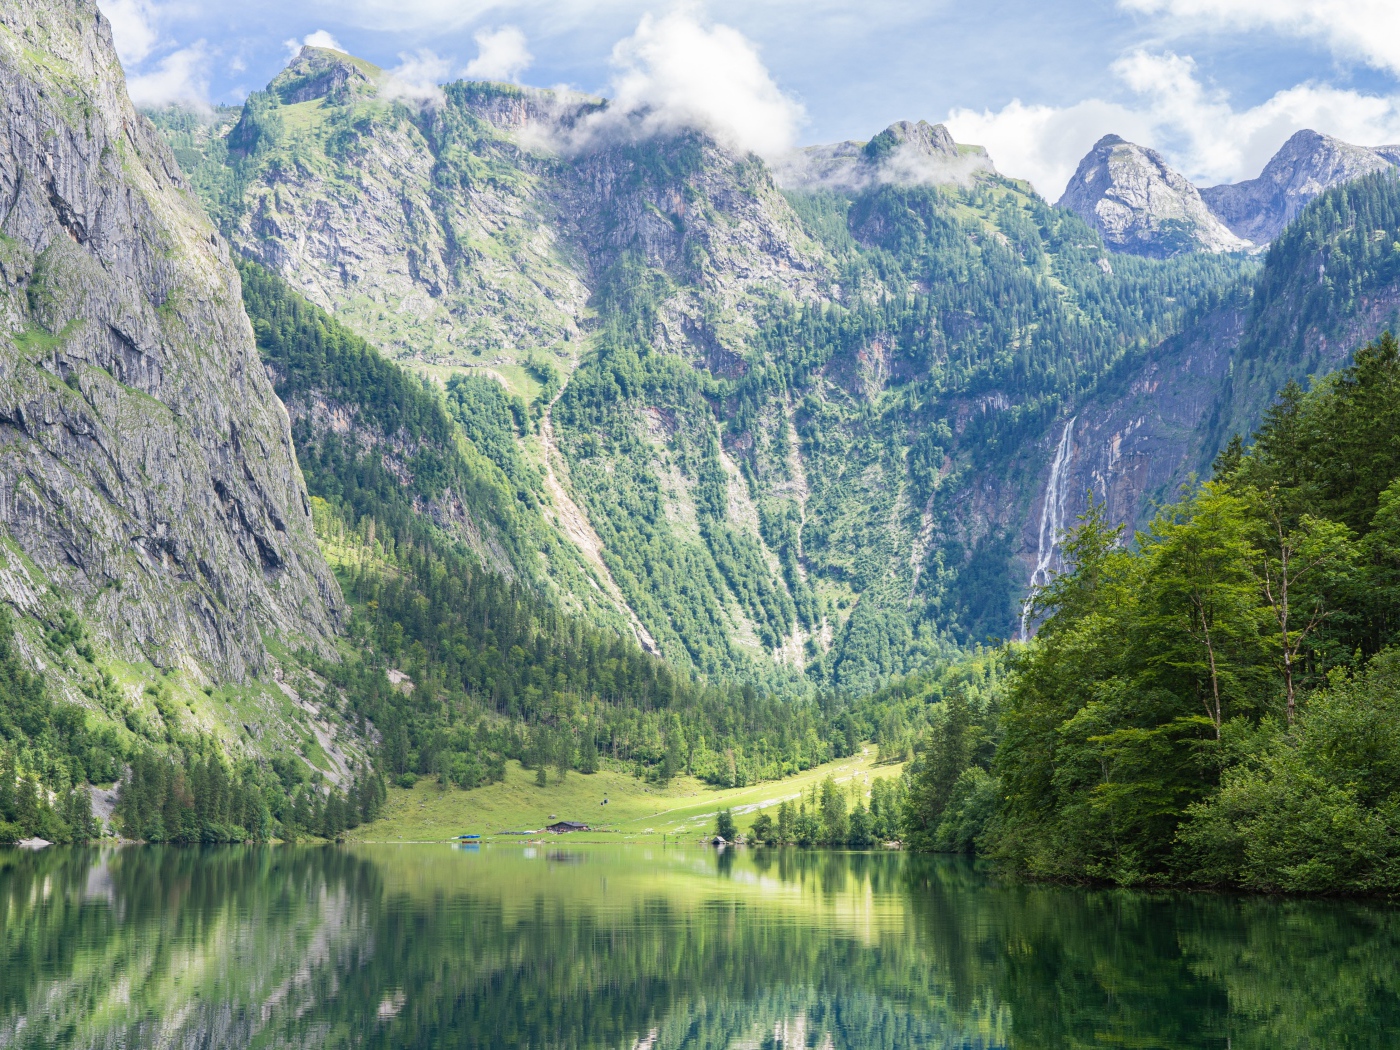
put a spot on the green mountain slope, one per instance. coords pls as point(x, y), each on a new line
point(778, 410)
point(1328, 284)
point(489, 664)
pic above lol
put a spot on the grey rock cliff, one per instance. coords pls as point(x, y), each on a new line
point(375, 212)
point(1305, 166)
point(146, 467)
point(1140, 205)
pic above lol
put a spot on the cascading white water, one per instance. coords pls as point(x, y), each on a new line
point(1052, 522)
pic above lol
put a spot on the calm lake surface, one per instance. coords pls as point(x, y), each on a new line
point(511, 946)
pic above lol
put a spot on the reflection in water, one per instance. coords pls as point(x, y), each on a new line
point(625, 948)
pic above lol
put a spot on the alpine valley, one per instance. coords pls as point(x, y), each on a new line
point(349, 438)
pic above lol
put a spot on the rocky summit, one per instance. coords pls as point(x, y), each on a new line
point(906, 153)
point(1307, 164)
point(1139, 204)
point(148, 485)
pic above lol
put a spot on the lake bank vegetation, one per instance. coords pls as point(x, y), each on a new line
point(1218, 702)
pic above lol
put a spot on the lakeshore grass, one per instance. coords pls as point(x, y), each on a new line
point(635, 810)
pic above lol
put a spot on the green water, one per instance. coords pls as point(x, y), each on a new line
point(426, 946)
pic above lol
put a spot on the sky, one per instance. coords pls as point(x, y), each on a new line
point(1215, 85)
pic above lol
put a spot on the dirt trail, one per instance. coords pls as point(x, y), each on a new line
point(574, 522)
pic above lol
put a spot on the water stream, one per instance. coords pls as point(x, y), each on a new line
point(1052, 523)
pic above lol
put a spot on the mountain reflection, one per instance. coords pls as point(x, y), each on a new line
point(635, 947)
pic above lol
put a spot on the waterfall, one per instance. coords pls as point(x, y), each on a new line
point(1052, 521)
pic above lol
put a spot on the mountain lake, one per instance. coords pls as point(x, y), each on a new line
point(532, 945)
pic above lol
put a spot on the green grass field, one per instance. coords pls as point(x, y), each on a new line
point(635, 810)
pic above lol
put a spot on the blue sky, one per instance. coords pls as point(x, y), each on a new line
point(1216, 85)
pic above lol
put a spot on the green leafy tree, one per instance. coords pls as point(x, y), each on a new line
point(764, 830)
point(724, 826)
point(860, 835)
point(786, 827)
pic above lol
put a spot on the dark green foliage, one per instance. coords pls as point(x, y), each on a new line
point(763, 830)
point(1329, 270)
point(724, 826)
point(959, 745)
point(492, 420)
point(162, 799)
point(861, 834)
point(494, 662)
point(1217, 705)
point(886, 808)
point(1312, 809)
point(47, 747)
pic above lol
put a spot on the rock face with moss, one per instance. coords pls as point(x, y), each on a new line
point(426, 229)
point(146, 467)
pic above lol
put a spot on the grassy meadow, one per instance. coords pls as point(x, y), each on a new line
point(635, 810)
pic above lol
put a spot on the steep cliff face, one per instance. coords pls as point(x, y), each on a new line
point(426, 229)
point(1330, 283)
point(713, 223)
point(146, 468)
point(1133, 445)
point(1306, 165)
point(1140, 205)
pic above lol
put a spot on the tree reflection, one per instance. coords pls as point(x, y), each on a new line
point(286, 946)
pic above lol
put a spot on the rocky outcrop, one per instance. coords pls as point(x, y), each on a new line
point(904, 154)
point(1141, 206)
point(428, 231)
point(146, 467)
point(1307, 164)
point(712, 220)
point(1132, 447)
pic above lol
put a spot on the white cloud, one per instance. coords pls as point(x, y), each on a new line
point(1044, 143)
point(417, 78)
point(1197, 129)
point(501, 54)
point(180, 78)
point(320, 38)
point(677, 72)
point(133, 29)
point(1368, 30)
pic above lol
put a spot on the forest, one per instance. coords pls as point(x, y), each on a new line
point(1214, 702)
point(499, 669)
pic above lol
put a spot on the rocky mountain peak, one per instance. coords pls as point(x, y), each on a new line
point(1139, 204)
point(906, 153)
point(1305, 166)
point(317, 72)
point(923, 138)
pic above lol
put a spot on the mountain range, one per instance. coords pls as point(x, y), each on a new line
point(760, 379)
point(1139, 204)
point(548, 412)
